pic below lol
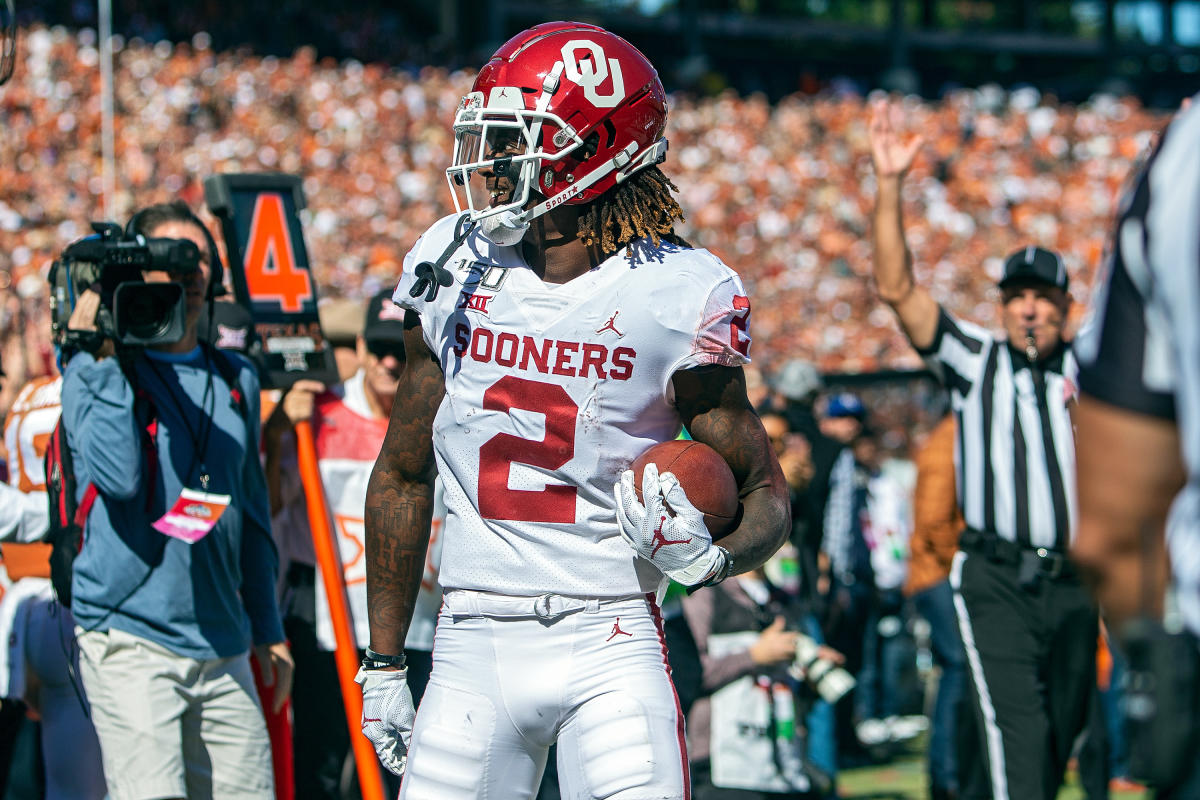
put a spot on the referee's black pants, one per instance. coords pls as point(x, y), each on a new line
point(1031, 654)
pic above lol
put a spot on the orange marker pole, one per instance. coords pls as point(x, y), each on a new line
point(346, 655)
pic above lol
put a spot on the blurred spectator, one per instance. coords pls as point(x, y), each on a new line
point(798, 382)
point(743, 737)
point(883, 526)
point(845, 565)
point(1111, 672)
point(342, 320)
point(937, 522)
point(787, 572)
point(845, 581)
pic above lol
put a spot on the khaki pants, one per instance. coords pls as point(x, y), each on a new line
point(171, 726)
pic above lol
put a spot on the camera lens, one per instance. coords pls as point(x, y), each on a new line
point(147, 314)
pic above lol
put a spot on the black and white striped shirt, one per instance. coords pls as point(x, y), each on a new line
point(1141, 350)
point(1015, 451)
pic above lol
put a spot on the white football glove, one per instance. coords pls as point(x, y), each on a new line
point(388, 713)
point(668, 530)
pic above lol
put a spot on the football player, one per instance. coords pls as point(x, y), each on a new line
point(556, 328)
point(40, 629)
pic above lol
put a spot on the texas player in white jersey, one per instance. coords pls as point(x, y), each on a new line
point(39, 662)
point(557, 328)
point(34, 413)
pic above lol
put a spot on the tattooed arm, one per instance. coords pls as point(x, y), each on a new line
point(715, 411)
point(399, 507)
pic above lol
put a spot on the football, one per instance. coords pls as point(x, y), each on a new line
point(704, 475)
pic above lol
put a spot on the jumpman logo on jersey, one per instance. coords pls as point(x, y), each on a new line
point(611, 326)
point(660, 540)
point(617, 629)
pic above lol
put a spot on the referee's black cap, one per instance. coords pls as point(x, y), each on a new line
point(1035, 264)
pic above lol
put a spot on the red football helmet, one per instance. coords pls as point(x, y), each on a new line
point(565, 108)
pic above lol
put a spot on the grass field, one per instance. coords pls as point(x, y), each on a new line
point(904, 778)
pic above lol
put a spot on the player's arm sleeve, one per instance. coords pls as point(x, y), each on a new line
point(97, 404)
point(1116, 370)
point(260, 560)
point(1143, 313)
point(957, 353)
point(722, 336)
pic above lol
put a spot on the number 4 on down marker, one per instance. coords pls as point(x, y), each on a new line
point(271, 269)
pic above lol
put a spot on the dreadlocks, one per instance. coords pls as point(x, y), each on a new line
point(642, 206)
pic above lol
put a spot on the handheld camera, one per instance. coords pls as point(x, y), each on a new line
point(829, 680)
point(132, 311)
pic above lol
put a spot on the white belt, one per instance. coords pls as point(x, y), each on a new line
point(471, 603)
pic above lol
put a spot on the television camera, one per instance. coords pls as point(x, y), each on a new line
point(133, 312)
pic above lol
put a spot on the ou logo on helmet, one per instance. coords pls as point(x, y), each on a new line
point(591, 72)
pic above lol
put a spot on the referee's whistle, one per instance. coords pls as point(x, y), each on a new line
point(1031, 351)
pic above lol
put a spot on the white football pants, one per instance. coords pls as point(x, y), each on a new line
point(513, 675)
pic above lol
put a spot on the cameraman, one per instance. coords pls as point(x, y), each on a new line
point(164, 621)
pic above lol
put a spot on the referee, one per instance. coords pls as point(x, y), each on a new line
point(1028, 625)
point(1139, 453)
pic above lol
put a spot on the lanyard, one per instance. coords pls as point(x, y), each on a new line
point(199, 439)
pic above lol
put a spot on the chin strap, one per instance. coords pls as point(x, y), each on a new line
point(623, 163)
point(433, 274)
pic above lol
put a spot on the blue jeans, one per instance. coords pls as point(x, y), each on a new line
point(936, 605)
point(879, 693)
point(1114, 721)
point(822, 738)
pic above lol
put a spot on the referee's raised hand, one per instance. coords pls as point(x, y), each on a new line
point(891, 153)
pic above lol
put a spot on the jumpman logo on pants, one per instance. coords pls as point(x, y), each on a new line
point(617, 630)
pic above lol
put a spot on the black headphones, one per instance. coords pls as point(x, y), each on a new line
point(216, 278)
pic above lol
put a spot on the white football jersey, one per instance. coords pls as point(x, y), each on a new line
point(27, 431)
point(551, 392)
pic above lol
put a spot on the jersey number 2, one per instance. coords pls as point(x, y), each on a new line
point(739, 328)
point(557, 447)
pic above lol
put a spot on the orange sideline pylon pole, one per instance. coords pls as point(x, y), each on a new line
point(279, 730)
point(346, 654)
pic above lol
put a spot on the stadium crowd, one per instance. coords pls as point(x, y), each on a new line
point(775, 190)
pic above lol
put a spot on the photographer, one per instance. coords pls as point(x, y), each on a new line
point(745, 736)
point(177, 575)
